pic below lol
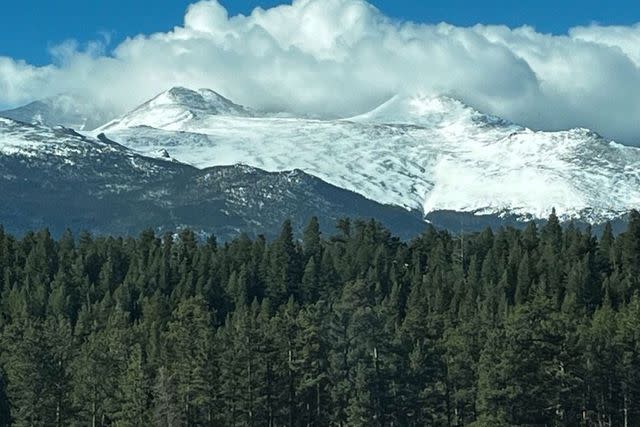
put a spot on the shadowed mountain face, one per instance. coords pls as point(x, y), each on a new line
point(57, 178)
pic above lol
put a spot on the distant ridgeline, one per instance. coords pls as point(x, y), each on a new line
point(537, 326)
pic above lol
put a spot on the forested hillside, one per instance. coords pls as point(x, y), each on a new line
point(506, 327)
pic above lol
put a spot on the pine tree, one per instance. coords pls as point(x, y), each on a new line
point(601, 362)
point(100, 364)
point(533, 341)
point(190, 341)
point(311, 281)
point(166, 411)
point(362, 410)
point(630, 251)
point(134, 392)
point(524, 280)
point(246, 383)
point(311, 240)
point(551, 233)
point(284, 267)
point(462, 346)
point(606, 249)
point(312, 386)
point(628, 366)
point(27, 366)
point(493, 400)
point(61, 352)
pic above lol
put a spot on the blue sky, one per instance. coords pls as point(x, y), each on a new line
point(31, 27)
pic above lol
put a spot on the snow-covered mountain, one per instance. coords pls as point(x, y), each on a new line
point(72, 111)
point(425, 153)
point(57, 178)
point(176, 108)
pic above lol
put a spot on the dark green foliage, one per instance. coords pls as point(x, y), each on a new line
point(497, 328)
point(5, 410)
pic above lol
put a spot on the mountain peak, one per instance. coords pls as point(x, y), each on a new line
point(69, 110)
point(177, 106)
point(201, 100)
point(427, 111)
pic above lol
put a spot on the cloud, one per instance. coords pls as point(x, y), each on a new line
point(343, 57)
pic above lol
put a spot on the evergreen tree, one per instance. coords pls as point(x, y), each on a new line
point(627, 353)
point(134, 392)
point(311, 240)
point(167, 411)
point(284, 267)
point(601, 362)
point(27, 365)
point(99, 365)
point(190, 344)
point(523, 281)
point(313, 386)
point(497, 328)
point(311, 290)
point(630, 251)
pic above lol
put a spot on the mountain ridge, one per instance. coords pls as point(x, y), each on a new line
point(58, 178)
point(419, 152)
point(422, 153)
point(69, 110)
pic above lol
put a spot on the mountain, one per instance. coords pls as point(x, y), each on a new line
point(430, 154)
point(57, 178)
point(176, 108)
point(72, 111)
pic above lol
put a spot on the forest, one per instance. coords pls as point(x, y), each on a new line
point(533, 326)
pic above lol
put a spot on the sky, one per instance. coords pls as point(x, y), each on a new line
point(555, 65)
point(32, 27)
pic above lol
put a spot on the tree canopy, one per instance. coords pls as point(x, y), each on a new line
point(503, 327)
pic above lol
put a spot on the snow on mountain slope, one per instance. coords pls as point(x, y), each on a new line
point(427, 153)
point(21, 139)
point(59, 179)
point(176, 108)
point(67, 110)
point(60, 155)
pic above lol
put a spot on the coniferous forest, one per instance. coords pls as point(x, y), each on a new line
point(506, 327)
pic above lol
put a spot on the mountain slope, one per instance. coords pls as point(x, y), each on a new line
point(423, 153)
point(67, 110)
point(57, 178)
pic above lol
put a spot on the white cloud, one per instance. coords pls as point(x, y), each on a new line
point(341, 57)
